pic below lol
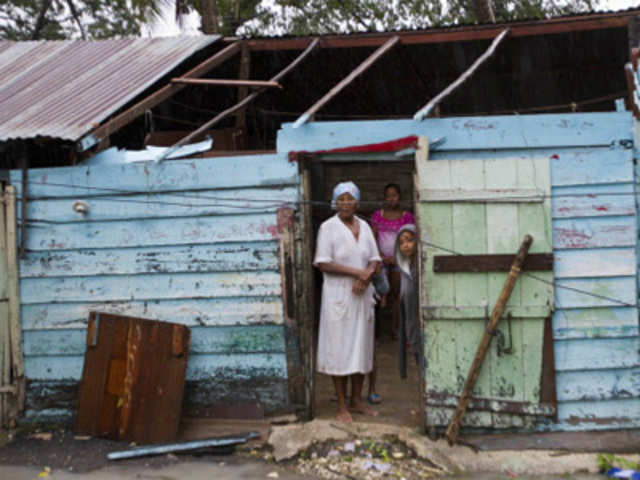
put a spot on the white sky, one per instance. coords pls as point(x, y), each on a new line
point(167, 26)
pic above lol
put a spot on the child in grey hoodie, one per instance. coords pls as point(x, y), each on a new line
point(409, 325)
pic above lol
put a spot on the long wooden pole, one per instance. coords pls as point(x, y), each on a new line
point(474, 370)
point(238, 105)
point(17, 356)
point(424, 111)
point(5, 336)
point(347, 80)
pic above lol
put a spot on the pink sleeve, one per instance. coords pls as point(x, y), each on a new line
point(408, 218)
point(375, 218)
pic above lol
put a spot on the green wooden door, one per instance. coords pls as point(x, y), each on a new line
point(476, 207)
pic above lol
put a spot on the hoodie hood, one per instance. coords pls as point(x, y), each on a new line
point(401, 261)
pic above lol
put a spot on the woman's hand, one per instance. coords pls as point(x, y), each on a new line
point(388, 260)
point(359, 286)
point(365, 275)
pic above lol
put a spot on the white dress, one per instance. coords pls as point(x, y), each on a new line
point(345, 339)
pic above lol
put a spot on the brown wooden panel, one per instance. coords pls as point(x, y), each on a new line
point(489, 263)
point(133, 379)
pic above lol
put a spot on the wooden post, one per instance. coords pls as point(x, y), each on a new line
point(15, 328)
point(243, 74)
point(5, 338)
point(474, 370)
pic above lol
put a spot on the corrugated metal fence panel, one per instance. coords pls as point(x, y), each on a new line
point(189, 241)
point(594, 221)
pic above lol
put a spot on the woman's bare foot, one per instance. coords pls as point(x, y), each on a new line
point(344, 415)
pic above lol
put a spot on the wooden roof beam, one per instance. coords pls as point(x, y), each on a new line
point(248, 99)
point(424, 112)
point(157, 97)
point(455, 34)
point(347, 80)
point(226, 82)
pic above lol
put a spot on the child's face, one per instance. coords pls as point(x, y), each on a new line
point(407, 244)
point(392, 197)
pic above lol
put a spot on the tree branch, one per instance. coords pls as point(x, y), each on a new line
point(76, 17)
point(42, 19)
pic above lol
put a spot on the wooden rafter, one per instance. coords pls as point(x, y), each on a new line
point(424, 111)
point(155, 98)
point(248, 99)
point(226, 82)
point(347, 80)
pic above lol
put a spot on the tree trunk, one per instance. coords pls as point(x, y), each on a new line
point(210, 25)
point(484, 11)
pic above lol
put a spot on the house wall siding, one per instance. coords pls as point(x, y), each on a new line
point(594, 230)
point(189, 241)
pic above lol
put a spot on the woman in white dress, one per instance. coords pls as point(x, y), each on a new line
point(347, 255)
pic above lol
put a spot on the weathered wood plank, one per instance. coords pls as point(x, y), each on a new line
point(468, 133)
point(200, 367)
point(190, 312)
point(174, 175)
point(149, 287)
point(605, 292)
point(594, 232)
point(597, 167)
point(154, 205)
point(489, 263)
point(593, 201)
point(605, 414)
point(595, 322)
point(204, 340)
point(610, 262)
point(158, 232)
point(596, 354)
point(596, 385)
point(245, 256)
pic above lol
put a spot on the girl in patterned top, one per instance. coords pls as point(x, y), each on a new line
point(385, 224)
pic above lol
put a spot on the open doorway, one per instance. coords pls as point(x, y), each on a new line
point(400, 398)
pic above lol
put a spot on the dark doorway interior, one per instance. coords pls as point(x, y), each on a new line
point(401, 398)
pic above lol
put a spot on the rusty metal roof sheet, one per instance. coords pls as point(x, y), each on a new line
point(64, 89)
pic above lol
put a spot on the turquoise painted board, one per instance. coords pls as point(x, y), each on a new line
point(187, 241)
point(468, 133)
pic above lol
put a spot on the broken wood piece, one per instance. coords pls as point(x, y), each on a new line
point(185, 446)
point(474, 371)
point(225, 82)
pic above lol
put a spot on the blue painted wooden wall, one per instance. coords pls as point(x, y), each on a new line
point(190, 241)
point(594, 221)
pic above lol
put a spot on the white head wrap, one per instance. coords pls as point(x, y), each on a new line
point(345, 187)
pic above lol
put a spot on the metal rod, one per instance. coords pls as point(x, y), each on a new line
point(222, 81)
point(424, 112)
point(483, 347)
point(238, 105)
point(347, 80)
point(182, 447)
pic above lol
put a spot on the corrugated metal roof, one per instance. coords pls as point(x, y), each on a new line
point(64, 89)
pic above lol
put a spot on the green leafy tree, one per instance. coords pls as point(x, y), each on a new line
point(60, 19)
point(305, 17)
